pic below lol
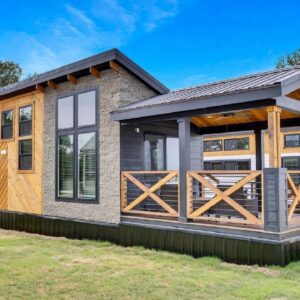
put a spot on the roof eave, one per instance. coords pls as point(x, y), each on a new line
point(97, 60)
point(200, 103)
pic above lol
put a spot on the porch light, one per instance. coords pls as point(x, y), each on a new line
point(137, 129)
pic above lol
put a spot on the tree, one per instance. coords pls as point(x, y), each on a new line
point(290, 59)
point(10, 72)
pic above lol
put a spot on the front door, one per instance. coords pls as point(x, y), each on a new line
point(3, 176)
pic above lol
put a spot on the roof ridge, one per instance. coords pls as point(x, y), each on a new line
point(235, 78)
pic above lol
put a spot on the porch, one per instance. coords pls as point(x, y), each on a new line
point(163, 178)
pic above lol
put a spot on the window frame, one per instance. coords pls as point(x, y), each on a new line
point(19, 123)
point(26, 137)
point(75, 131)
point(236, 139)
point(13, 125)
point(223, 162)
point(291, 134)
point(218, 140)
point(293, 157)
point(19, 154)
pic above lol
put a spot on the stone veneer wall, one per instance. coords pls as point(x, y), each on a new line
point(115, 89)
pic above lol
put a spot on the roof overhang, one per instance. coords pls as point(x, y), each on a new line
point(216, 103)
point(82, 68)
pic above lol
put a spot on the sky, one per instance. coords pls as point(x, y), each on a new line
point(181, 43)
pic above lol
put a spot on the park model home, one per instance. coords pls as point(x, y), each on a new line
point(101, 149)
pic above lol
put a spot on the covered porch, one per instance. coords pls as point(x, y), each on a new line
point(163, 178)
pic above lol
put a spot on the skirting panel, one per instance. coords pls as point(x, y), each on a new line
point(174, 240)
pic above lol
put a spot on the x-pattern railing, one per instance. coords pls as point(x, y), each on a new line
point(147, 192)
point(220, 195)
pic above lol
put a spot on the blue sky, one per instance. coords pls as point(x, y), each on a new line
point(181, 43)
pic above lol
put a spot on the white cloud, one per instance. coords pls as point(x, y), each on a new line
point(77, 33)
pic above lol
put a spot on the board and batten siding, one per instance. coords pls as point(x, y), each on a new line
point(115, 89)
point(22, 191)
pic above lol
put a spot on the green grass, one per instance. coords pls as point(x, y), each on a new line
point(37, 267)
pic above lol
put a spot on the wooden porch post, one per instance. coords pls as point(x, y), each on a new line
point(184, 133)
point(274, 136)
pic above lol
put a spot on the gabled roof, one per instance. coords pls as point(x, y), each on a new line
point(278, 78)
point(81, 68)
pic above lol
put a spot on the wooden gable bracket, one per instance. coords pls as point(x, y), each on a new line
point(95, 72)
point(72, 78)
point(114, 65)
point(40, 88)
point(51, 84)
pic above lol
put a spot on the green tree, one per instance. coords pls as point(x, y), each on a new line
point(10, 72)
point(290, 59)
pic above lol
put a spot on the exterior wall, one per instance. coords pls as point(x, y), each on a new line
point(25, 188)
point(115, 89)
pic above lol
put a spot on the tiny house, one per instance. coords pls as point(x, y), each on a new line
point(101, 149)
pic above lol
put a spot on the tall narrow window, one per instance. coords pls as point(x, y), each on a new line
point(25, 155)
point(65, 166)
point(86, 165)
point(25, 120)
point(154, 152)
point(7, 124)
point(77, 147)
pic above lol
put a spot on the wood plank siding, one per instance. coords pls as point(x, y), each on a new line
point(22, 191)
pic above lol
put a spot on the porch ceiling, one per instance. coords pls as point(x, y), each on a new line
point(238, 117)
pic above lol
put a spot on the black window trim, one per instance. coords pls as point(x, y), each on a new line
point(13, 118)
point(164, 136)
point(236, 139)
point(291, 134)
point(20, 155)
point(75, 130)
point(218, 140)
point(225, 161)
point(22, 122)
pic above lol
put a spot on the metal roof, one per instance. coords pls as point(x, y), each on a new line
point(81, 68)
point(218, 88)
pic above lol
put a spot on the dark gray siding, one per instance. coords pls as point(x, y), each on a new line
point(132, 144)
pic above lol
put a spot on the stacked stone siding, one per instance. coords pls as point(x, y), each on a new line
point(115, 89)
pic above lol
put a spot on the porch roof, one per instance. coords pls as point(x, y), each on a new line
point(260, 86)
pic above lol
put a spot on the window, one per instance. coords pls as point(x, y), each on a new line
point(25, 155)
point(7, 124)
point(65, 114)
point(212, 145)
point(25, 120)
point(77, 147)
point(87, 165)
point(291, 163)
point(154, 152)
point(236, 144)
point(291, 140)
point(237, 165)
point(65, 166)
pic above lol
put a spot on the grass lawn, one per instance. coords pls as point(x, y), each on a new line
point(37, 267)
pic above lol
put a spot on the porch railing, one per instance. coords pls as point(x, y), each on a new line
point(150, 193)
point(293, 181)
point(231, 196)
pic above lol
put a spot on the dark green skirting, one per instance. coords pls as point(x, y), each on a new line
point(174, 240)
